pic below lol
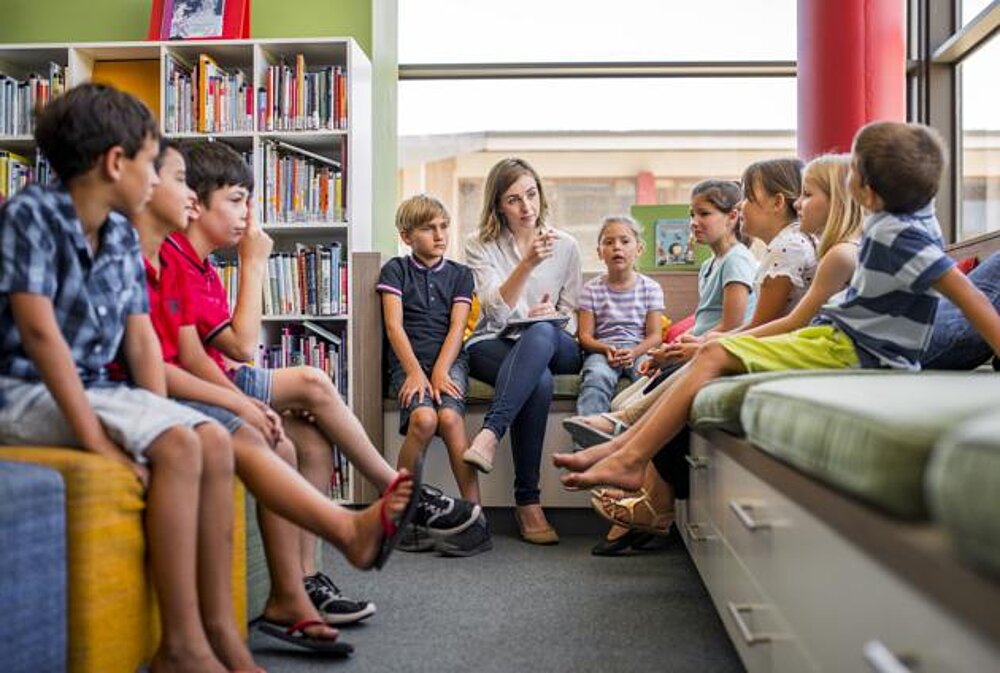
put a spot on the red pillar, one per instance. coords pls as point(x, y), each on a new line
point(645, 188)
point(851, 70)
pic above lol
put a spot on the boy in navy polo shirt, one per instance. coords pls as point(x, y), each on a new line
point(426, 300)
point(72, 291)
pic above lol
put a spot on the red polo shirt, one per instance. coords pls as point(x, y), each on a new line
point(167, 309)
point(203, 295)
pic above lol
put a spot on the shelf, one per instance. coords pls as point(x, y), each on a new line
point(197, 135)
point(299, 318)
point(307, 228)
point(19, 144)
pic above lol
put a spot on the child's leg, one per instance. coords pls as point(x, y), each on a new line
point(419, 433)
point(451, 427)
point(215, 548)
point(315, 462)
point(171, 525)
point(597, 387)
point(638, 406)
point(621, 461)
point(309, 388)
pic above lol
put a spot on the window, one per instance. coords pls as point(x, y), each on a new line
point(980, 139)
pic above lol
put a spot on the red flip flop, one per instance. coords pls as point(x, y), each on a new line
point(393, 530)
point(296, 635)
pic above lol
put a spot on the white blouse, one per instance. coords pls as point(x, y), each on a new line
point(492, 263)
point(792, 254)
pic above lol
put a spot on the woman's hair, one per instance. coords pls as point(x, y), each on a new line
point(725, 196)
point(503, 174)
point(775, 176)
point(844, 221)
point(634, 226)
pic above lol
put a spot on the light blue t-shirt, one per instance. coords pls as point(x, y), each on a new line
point(737, 266)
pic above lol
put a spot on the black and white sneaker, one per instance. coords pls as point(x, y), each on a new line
point(473, 540)
point(441, 515)
point(333, 606)
point(415, 539)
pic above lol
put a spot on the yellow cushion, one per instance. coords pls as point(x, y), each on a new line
point(112, 617)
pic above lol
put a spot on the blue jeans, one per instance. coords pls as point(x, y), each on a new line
point(521, 373)
point(955, 343)
point(599, 382)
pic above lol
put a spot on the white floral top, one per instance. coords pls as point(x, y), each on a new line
point(793, 254)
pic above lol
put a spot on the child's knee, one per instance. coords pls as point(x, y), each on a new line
point(177, 449)
point(217, 448)
point(449, 420)
point(423, 423)
point(316, 386)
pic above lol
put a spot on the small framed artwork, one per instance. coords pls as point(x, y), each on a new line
point(199, 19)
point(667, 241)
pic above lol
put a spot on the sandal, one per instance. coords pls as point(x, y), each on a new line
point(296, 635)
point(585, 435)
point(635, 513)
point(393, 530)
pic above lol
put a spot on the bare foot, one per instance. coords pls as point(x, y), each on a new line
point(362, 548)
point(230, 648)
point(618, 469)
point(185, 661)
point(584, 458)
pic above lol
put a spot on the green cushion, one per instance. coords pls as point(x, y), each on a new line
point(567, 387)
point(869, 435)
point(718, 403)
point(963, 488)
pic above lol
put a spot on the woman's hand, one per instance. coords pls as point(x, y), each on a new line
point(544, 307)
point(541, 248)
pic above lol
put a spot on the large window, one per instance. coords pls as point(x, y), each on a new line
point(980, 124)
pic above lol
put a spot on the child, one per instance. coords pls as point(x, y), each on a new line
point(222, 183)
point(619, 319)
point(426, 300)
point(71, 293)
point(272, 482)
point(883, 319)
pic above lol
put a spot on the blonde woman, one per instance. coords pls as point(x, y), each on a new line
point(523, 270)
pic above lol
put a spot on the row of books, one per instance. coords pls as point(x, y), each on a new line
point(300, 186)
point(312, 281)
point(20, 99)
point(16, 171)
point(206, 98)
point(294, 99)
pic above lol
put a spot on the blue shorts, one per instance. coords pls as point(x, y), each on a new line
point(223, 416)
point(254, 381)
point(459, 373)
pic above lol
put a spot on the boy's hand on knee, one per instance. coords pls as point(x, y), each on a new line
point(414, 385)
point(442, 384)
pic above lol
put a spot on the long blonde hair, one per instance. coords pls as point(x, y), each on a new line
point(503, 174)
point(845, 219)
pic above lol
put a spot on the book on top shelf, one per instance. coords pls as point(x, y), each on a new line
point(294, 99)
point(19, 100)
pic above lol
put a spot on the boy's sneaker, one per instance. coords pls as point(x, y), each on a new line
point(473, 540)
point(441, 515)
point(333, 606)
point(415, 539)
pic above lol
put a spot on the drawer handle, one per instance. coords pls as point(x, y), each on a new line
point(694, 532)
point(696, 462)
point(751, 638)
point(743, 512)
point(881, 659)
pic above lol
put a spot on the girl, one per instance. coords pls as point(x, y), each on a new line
point(619, 318)
point(522, 269)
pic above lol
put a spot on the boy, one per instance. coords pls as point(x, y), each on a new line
point(221, 217)
point(71, 292)
point(883, 319)
point(426, 300)
point(288, 603)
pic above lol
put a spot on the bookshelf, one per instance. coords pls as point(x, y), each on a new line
point(312, 171)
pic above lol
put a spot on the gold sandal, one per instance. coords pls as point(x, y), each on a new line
point(635, 512)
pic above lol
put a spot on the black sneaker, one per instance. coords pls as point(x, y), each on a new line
point(441, 515)
point(415, 539)
point(333, 606)
point(473, 540)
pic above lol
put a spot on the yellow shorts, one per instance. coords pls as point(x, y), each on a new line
point(814, 347)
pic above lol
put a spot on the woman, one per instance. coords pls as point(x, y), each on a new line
point(523, 269)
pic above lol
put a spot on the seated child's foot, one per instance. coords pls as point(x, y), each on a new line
point(441, 515)
point(482, 450)
point(602, 423)
point(583, 459)
point(184, 661)
point(473, 540)
point(617, 469)
point(333, 606)
point(415, 540)
point(298, 608)
point(363, 547)
point(229, 647)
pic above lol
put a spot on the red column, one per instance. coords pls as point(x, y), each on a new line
point(851, 70)
point(645, 188)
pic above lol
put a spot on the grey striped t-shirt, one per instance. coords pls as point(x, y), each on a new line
point(620, 315)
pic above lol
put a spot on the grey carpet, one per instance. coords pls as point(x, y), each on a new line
point(526, 608)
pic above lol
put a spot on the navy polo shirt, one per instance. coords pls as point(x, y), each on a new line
point(428, 294)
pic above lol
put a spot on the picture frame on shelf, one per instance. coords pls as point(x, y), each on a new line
point(667, 241)
point(199, 20)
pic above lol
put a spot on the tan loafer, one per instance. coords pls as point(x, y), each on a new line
point(543, 536)
point(477, 460)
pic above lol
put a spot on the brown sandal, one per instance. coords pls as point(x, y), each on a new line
point(635, 512)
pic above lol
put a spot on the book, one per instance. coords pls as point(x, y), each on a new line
point(667, 241)
point(515, 325)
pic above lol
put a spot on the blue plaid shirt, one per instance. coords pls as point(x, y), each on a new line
point(43, 251)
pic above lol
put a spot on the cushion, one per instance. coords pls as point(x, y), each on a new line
point(868, 435)
point(33, 558)
point(963, 489)
point(566, 387)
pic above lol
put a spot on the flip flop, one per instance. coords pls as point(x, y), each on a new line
point(296, 635)
point(393, 530)
point(584, 434)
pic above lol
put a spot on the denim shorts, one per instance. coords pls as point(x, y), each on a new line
point(132, 417)
point(459, 373)
point(221, 415)
point(254, 381)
